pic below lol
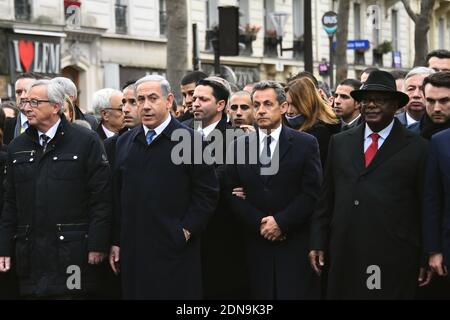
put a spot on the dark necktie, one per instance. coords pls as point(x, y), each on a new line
point(266, 154)
point(44, 139)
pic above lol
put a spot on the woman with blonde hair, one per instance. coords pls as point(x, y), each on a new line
point(69, 110)
point(309, 113)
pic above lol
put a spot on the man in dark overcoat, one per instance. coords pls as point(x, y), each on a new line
point(164, 204)
point(277, 198)
point(366, 227)
point(57, 211)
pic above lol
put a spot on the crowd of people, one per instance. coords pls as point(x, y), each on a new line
point(348, 196)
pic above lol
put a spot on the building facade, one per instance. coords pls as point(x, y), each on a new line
point(104, 43)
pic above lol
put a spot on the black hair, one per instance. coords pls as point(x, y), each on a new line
point(219, 91)
point(440, 54)
point(193, 77)
point(355, 84)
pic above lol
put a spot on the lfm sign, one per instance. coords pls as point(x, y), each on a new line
point(36, 54)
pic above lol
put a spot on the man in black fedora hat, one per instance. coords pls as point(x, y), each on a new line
point(366, 227)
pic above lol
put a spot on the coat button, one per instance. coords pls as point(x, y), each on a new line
point(61, 238)
point(14, 161)
point(55, 158)
point(75, 157)
point(356, 203)
point(31, 160)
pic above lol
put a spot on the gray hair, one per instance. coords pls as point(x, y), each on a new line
point(419, 70)
point(241, 93)
point(269, 84)
point(69, 87)
point(55, 92)
point(165, 86)
point(102, 100)
point(415, 71)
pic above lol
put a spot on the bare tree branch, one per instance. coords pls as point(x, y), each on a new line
point(411, 13)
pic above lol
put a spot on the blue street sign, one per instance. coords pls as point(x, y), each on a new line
point(356, 44)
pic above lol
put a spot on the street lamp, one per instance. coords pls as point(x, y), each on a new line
point(279, 20)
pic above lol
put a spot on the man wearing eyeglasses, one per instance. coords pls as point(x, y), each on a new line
point(241, 111)
point(57, 205)
point(366, 227)
point(108, 106)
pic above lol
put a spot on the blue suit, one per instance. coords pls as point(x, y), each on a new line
point(415, 127)
point(436, 217)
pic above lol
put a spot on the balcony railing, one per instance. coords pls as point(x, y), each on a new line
point(121, 19)
point(22, 10)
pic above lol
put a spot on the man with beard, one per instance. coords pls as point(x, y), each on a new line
point(345, 107)
point(415, 109)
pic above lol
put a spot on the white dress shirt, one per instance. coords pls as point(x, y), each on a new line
point(159, 129)
point(50, 132)
point(275, 134)
point(409, 120)
point(23, 121)
point(207, 130)
point(383, 136)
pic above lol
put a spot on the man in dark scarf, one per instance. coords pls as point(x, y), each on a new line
point(436, 89)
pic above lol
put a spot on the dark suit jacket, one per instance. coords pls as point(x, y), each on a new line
point(11, 130)
point(415, 127)
point(323, 132)
point(159, 198)
point(436, 217)
point(279, 270)
point(224, 272)
point(101, 133)
point(110, 147)
point(371, 216)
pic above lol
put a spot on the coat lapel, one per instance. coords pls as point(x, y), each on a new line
point(356, 147)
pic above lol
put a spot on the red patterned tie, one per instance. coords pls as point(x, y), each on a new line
point(372, 150)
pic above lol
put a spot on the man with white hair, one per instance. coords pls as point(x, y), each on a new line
point(415, 109)
point(71, 90)
point(108, 109)
point(57, 202)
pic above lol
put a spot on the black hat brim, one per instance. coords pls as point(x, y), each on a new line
point(401, 97)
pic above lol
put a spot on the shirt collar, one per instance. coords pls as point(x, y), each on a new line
point(108, 132)
point(275, 134)
point(50, 132)
point(207, 130)
point(23, 119)
point(159, 129)
point(353, 121)
point(383, 133)
point(409, 120)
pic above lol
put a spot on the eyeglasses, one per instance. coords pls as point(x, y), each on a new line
point(118, 109)
point(34, 103)
point(235, 107)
